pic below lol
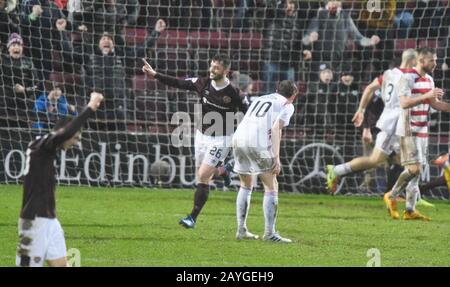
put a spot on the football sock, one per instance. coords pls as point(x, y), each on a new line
point(411, 194)
point(342, 169)
point(242, 206)
point(200, 198)
point(402, 181)
point(270, 206)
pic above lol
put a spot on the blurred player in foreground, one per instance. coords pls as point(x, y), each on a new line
point(41, 237)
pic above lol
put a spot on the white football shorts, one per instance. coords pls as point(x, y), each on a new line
point(40, 239)
point(211, 150)
point(387, 143)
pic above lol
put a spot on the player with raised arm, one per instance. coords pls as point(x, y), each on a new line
point(256, 149)
point(41, 237)
point(386, 142)
point(212, 144)
point(417, 94)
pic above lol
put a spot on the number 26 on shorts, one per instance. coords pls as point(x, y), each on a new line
point(217, 152)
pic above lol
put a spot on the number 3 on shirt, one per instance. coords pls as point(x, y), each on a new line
point(391, 89)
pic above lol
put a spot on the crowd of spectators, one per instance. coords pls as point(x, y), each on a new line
point(331, 47)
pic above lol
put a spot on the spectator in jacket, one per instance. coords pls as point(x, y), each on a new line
point(345, 103)
point(281, 42)
point(105, 73)
point(51, 106)
point(9, 21)
point(95, 17)
point(41, 23)
point(317, 101)
point(17, 83)
point(327, 36)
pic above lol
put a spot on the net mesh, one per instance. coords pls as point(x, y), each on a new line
point(81, 46)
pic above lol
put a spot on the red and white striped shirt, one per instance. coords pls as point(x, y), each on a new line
point(414, 120)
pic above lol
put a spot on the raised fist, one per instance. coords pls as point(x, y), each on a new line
point(160, 25)
point(61, 24)
point(37, 10)
point(314, 36)
point(307, 55)
point(375, 40)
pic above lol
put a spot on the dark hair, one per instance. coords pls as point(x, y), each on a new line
point(425, 51)
point(223, 59)
point(106, 34)
point(62, 122)
point(52, 85)
point(396, 62)
point(287, 88)
point(293, 1)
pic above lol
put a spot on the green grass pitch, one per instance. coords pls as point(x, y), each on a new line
point(139, 227)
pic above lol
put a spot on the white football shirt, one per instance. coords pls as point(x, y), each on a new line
point(415, 120)
point(255, 128)
point(389, 94)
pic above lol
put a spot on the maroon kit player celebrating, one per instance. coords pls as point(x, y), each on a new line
point(218, 99)
point(41, 237)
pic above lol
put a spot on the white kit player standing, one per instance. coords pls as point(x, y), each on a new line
point(256, 148)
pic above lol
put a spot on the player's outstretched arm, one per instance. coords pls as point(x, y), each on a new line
point(440, 105)
point(367, 96)
point(431, 97)
point(167, 80)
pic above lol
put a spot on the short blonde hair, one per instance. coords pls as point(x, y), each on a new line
point(408, 55)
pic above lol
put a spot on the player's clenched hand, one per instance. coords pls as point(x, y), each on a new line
point(374, 40)
point(358, 119)
point(37, 10)
point(61, 24)
point(95, 101)
point(147, 69)
point(435, 94)
point(160, 25)
point(307, 55)
point(277, 168)
point(19, 89)
point(314, 36)
point(82, 28)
